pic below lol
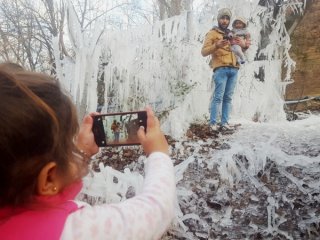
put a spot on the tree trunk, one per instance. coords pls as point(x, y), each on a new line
point(170, 8)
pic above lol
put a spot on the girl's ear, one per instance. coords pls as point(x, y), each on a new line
point(49, 181)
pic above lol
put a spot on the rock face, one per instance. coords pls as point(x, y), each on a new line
point(305, 51)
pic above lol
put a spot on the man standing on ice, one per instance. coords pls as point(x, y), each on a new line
point(225, 68)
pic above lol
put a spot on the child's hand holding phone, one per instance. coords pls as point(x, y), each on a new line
point(153, 140)
point(85, 139)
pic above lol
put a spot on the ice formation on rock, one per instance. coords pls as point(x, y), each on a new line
point(161, 65)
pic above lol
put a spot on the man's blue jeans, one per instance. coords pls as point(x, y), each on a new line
point(225, 79)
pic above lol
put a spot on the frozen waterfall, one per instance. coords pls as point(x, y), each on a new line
point(161, 65)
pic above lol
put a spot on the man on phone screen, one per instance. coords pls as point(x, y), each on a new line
point(225, 68)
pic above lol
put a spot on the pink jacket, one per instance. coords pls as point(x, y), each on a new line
point(145, 216)
point(43, 220)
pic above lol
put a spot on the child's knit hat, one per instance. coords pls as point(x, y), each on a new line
point(241, 19)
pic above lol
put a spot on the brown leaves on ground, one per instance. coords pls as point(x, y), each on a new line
point(120, 157)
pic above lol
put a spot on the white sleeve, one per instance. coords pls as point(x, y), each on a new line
point(145, 216)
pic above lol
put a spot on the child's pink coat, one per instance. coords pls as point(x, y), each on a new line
point(145, 216)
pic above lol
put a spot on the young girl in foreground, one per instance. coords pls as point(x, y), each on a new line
point(44, 157)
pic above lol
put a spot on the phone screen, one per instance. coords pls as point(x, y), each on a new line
point(117, 129)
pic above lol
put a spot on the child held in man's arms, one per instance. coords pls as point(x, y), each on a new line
point(44, 157)
point(239, 29)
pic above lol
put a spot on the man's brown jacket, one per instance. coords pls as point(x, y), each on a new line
point(220, 57)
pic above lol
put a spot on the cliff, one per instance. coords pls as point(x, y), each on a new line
point(305, 51)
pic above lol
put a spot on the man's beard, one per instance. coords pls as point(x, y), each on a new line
point(222, 27)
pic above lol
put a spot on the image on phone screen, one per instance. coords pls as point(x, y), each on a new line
point(116, 129)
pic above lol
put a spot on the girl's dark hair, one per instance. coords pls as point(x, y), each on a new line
point(38, 122)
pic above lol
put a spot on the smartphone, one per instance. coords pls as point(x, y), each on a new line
point(118, 129)
point(227, 37)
